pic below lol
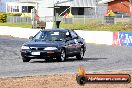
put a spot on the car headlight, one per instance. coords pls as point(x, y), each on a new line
point(50, 48)
point(24, 47)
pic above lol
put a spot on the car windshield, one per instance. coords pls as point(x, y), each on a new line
point(50, 36)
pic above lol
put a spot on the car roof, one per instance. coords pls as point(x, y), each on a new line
point(56, 29)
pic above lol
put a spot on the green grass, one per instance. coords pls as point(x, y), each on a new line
point(88, 27)
point(23, 25)
point(99, 27)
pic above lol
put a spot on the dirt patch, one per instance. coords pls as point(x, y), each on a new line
point(58, 81)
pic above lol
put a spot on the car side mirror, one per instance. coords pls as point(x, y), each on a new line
point(75, 38)
point(68, 38)
point(31, 37)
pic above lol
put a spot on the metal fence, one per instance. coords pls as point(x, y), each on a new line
point(18, 19)
point(88, 20)
point(73, 20)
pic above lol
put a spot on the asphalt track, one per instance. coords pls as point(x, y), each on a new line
point(97, 58)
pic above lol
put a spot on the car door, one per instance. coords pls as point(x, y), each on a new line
point(70, 44)
point(75, 42)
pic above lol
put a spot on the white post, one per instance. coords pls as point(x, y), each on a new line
point(6, 7)
point(95, 12)
point(36, 7)
point(20, 8)
point(10, 7)
point(32, 17)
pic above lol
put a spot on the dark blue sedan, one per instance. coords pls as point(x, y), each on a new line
point(53, 43)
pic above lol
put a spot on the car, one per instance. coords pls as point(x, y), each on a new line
point(55, 43)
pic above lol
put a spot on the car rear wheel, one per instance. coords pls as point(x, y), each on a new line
point(25, 59)
point(62, 56)
point(80, 55)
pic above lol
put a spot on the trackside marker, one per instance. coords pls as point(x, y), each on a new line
point(83, 78)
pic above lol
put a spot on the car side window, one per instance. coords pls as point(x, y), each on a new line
point(74, 35)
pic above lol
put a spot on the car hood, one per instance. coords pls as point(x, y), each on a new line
point(38, 43)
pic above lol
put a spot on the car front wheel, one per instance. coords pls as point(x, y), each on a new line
point(62, 56)
point(80, 55)
point(25, 59)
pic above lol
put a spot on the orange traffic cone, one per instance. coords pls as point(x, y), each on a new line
point(81, 70)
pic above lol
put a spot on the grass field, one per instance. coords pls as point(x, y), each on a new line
point(100, 27)
point(88, 27)
point(23, 25)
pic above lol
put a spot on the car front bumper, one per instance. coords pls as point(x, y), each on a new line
point(40, 54)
